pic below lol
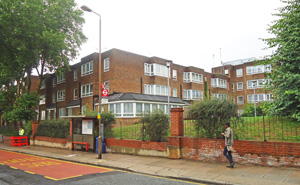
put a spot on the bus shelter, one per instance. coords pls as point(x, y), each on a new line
point(85, 129)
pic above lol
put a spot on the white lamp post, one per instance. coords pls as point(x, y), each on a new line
point(254, 86)
point(168, 66)
point(87, 9)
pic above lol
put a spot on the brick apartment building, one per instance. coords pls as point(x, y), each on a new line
point(139, 84)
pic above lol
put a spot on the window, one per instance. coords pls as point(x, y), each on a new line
point(192, 77)
point(83, 110)
point(240, 100)
point(42, 99)
point(106, 84)
point(149, 89)
point(54, 82)
point(258, 98)
point(226, 71)
point(128, 109)
point(61, 95)
point(174, 92)
point(219, 96)
point(69, 112)
point(43, 84)
point(189, 94)
point(106, 64)
point(75, 75)
point(87, 90)
point(239, 72)
point(87, 68)
point(258, 83)
point(62, 112)
point(258, 69)
point(232, 87)
point(155, 69)
point(118, 110)
point(43, 115)
point(174, 74)
point(156, 90)
point(61, 78)
point(154, 107)
point(146, 108)
point(139, 109)
point(54, 98)
point(217, 82)
point(75, 93)
point(240, 86)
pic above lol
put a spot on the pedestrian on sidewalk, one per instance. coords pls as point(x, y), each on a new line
point(228, 144)
point(21, 131)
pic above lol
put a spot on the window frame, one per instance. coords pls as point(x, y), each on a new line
point(106, 64)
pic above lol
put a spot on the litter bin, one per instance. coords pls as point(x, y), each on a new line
point(103, 146)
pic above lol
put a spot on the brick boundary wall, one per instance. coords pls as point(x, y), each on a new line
point(147, 145)
point(51, 139)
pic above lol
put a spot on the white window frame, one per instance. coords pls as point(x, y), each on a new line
point(75, 93)
point(54, 82)
point(218, 82)
point(192, 77)
point(61, 95)
point(232, 87)
point(87, 68)
point(75, 75)
point(191, 94)
point(43, 84)
point(43, 114)
point(70, 112)
point(106, 64)
point(88, 90)
point(62, 112)
point(106, 84)
point(239, 72)
point(219, 96)
point(226, 71)
point(42, 100)
point(48, 114)
point(156, 70)
point(61, 78)
point(174, 73)
point(240, 102)
point(237, 86)
point(260, 83)
point(53, 97)
point(174, 92)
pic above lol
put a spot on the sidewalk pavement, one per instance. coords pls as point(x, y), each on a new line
point(210, 173)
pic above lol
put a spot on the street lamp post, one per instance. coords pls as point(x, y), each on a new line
point(254, 86)
point(87, 9)
point(168, 66)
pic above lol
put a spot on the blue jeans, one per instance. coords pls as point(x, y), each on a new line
point(228, 155)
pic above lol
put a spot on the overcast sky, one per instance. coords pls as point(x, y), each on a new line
point(188, 32)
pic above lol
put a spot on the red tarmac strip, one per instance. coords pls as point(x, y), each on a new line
point(50, 168)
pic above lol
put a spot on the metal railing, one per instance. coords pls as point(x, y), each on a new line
point(261, 128)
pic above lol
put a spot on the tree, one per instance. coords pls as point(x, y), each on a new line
point(285, 75)
point(43, 35)
point(210, 116)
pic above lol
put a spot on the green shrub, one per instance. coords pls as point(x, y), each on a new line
point(108, 119)
point(157, 125)
point(28, 128)
point(210, 116)
point(53, 128)
point(249, 110)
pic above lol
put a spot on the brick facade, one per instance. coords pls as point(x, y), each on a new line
point(126, 74)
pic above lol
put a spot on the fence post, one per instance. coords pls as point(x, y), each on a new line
point(177, 131)
point(143, 131)
point(264, 127)
point(121, 130)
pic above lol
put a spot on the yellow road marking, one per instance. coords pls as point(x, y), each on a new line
point(2, 164)
point(51, 178)
point(13, 167)
point(29, 172)
point(62, 160)
point(70, 177)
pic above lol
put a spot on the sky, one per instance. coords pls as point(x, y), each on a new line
point(197, 33)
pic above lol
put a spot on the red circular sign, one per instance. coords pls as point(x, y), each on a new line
point(105, 92)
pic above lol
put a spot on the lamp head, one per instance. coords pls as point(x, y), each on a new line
point(168, 64)
point(86, 8)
